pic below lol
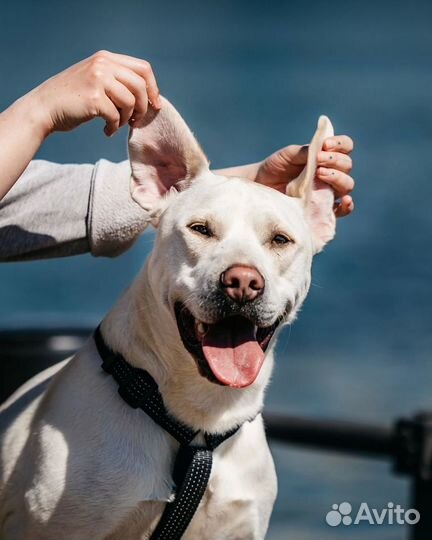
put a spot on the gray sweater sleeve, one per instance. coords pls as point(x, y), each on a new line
point(61, 210)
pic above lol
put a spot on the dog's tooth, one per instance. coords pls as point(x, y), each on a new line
point(201, 328)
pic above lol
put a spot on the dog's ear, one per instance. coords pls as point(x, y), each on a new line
point(162, 153)
point(317, 196)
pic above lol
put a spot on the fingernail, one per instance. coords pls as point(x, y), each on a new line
point(108, 132)
point(156, 104)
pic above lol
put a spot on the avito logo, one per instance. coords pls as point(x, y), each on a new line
point(342, 514)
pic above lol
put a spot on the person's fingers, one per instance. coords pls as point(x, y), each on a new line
point(137, 86)
point(341, 182)
point(109, 112)
point(294, 154)
point(344, 207)
point(339, 143)
point(334, 160)
point(123, 99)
point(282, 166)
point(144, 70)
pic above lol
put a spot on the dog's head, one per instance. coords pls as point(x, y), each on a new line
point(232, 258)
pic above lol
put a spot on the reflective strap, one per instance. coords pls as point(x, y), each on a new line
point(179, 513)
point(138, 388)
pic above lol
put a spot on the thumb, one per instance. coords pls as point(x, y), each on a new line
point(294, 154)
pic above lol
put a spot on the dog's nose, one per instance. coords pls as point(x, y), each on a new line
point(242, 283)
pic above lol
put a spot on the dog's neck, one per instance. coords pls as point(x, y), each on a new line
point(145, 333)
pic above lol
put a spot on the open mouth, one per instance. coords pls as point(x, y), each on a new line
point(229, 352)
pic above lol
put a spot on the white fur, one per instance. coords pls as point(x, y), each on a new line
point(77, 462)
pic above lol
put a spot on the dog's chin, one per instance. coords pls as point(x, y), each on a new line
point(229, 352)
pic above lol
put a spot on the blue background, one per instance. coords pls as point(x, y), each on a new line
point(250, 77)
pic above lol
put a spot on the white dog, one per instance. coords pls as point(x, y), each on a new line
point(230, 266)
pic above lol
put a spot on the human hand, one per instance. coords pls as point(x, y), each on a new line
point(112, 86)
point(334, 166)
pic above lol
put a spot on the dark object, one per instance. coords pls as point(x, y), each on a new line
point(414, 458)
point(193, 464)
point(25, 352)
point(346, 437)
point(407, 445)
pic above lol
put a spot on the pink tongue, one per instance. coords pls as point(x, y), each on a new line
point(232, 352)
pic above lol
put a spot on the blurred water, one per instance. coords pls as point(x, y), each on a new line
point(250, 77)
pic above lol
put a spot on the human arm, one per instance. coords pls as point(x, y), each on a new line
point(58, 210)
point(114, 87)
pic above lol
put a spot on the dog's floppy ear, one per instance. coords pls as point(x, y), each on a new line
point(317, 196)
point(162, 152)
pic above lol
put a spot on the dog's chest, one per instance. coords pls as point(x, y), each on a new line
point(221, 515)
point(238, 499)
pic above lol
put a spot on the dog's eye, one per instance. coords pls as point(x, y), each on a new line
point(281, 239)
point(201, 229)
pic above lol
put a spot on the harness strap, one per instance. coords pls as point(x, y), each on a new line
point(192, 471)
point(193, 464)
point(138, 388)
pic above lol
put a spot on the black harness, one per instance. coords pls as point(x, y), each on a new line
point(193, 464)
